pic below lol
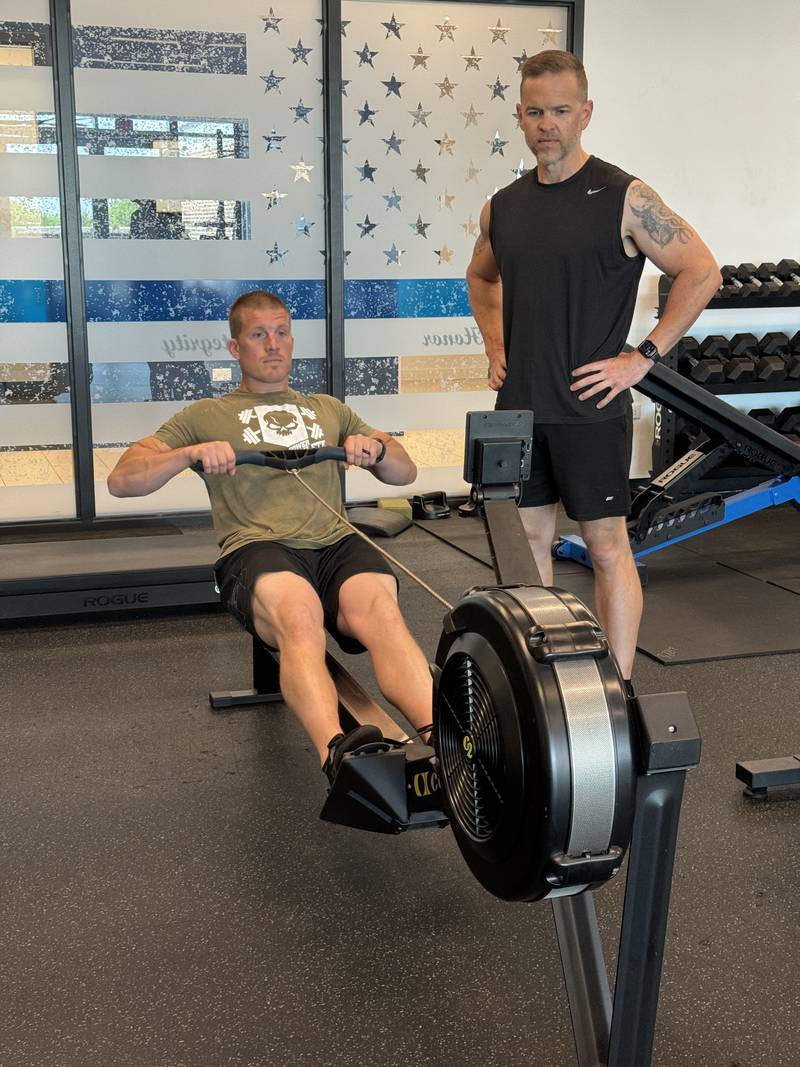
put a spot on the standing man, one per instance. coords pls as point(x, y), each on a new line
point(552, 284)
point(289, 568)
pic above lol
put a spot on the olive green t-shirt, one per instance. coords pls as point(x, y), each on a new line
point(259, 503)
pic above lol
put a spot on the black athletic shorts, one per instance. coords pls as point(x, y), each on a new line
point(326, 569)
point(584, 465)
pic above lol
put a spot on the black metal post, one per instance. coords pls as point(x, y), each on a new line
point(334, 197)
point(644, 918)
point(71, 239)
point(585, 977)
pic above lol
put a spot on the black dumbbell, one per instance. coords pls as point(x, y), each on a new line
point(768, 273)
point(778, 344)
point(739, 361)
point(766, 416)
point(768, 366)
point(793, 359)
point(705, 370)
point(732, 288)
point(747, 272)
point(788, 270)
point(788, 421)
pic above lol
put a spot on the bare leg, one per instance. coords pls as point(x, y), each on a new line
point(288, 616)
point(540, 526)
point(618, 591)
point(368, 611)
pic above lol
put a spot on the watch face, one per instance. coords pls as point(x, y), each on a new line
point(649, 350)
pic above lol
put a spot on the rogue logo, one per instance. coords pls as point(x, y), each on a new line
point(113, 600)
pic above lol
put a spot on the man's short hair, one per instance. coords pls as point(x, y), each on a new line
point(259, 298)
point(554, 61)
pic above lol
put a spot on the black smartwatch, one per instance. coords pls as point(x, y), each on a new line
point(649, 351)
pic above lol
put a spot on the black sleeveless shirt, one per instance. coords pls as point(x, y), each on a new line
point(569, 287)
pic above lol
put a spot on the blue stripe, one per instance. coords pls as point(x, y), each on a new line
point(409, 298)
point(208, 301)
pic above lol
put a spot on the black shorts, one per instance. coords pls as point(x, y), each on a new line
point(325, 569)
point(584, 465)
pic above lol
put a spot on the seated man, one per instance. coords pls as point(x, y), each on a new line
point(288, 567)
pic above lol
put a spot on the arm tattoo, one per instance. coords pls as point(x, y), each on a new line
point(480, 244)
point(661, 223)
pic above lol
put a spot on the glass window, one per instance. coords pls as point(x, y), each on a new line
point(236, 163)
point(36, 467)
point(430, 133)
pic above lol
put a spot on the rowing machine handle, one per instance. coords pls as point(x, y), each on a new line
point(291, 459)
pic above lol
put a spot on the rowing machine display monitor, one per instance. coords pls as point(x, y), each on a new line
point(497, 452)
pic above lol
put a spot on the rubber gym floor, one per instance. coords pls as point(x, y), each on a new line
point(170, 898)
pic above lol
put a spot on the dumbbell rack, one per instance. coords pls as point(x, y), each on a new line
point(666, 421)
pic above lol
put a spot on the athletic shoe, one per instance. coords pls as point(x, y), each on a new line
point(341, 744)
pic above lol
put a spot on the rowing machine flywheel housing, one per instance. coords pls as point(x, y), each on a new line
point(534, 742)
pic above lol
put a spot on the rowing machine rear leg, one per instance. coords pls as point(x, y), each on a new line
point(266, 684)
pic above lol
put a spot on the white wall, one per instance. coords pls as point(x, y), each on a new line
point(701, 99)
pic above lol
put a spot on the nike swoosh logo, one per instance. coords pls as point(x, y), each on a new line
point(591, 192)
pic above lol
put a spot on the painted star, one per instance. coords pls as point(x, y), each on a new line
point(273, 198)
point(472, 116)
point(393, 27)
point(271, 81)
point(393, 200)
point(550, 34)
point(445, 144)
point(444, 253)
point(470, 227)
point(472, 60)
point(300, 53)
point(446, 29)
point(366, 227)
point(446, 87)
point(419, 227)
point(324, 255)
point(365, 114)
point(393, 85)
point(498, 33)
point(497, 89)
point(273, 140)
point(366, 172)
point(520, 60)
point(302, 170)
point(496, 144)
point(271, 21)
point(520, 169)
point(420, 172)
point(366, 55)
point(345, 143)
point(392, 143)
point(420, 58)
point(301, 112)
point(393, 254)
point(420, 116)
point(276, 254)
point(345, 24)
point(303, 226)
point(344, 83)
point(445, 200)
point(472, 172)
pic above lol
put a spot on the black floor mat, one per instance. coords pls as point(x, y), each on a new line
point(697, 607)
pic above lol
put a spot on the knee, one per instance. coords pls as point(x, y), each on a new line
point(373, 618)
point(299, 625)
point(608, 552)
